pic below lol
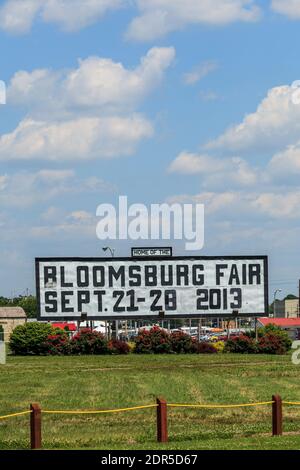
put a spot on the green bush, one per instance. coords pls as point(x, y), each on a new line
point(30, 338)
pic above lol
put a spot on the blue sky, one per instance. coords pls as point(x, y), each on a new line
point(193, 101)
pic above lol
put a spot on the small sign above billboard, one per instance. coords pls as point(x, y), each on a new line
point(153, 252)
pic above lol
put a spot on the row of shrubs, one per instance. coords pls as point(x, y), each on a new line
point(271, 340)
point(159, 341)
point(42, 339)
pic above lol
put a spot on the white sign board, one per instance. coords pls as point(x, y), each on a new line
point(151, 252)
point(116, 288)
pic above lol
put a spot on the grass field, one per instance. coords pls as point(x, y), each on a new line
point(122, 381)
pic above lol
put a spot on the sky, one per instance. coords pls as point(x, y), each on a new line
point(188, 101)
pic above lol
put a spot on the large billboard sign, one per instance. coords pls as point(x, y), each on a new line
point(124, 288)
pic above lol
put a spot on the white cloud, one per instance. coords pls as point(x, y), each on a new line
point(76, 139)
point(286, 162)
point(17, 16)
point(191, 163)
point(36, 89)
point(159, 17)
point(274, 205)
point(80, 225)
point(54, 176)
point(76, 14)
point(104, 82)
point(84, 113)
point(81, 216)
point(216, 171)
point(96, 83)
point(57, 217)
point(200, 72)
point(156, 17)
point(213, 201)
point(3, 182)
point(52, 214)
point(290, 8)
point(62, 232)
point(278, 205)
point(24, 189)
point(255, 192)
point(275, 124)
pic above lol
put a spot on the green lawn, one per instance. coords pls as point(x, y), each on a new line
point(122, 381)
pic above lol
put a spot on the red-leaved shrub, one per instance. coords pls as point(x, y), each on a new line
point(241, 344)
point(89, 342)
point(118, 347)
point(271, 344)
point(206, 348)
point(57, 345)
point(182, 343)
point(154, 341)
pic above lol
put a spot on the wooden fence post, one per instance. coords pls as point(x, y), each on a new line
point(277, 415)
point(35, 426)
point(162, 420)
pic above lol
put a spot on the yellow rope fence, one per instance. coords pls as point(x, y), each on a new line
point(12, 415)
point(238, 405)
point(170, 405)
point(161, 406)
point(293, 403)
point(89, 412)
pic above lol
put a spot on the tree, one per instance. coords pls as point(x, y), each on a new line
point(271, 308)
point(290, 297)
point(4, 302)
point(28, 304)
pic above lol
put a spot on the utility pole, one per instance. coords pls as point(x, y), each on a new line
point(274, 304)
point(199, 329)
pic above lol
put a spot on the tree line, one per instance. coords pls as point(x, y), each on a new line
point(28, 303)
